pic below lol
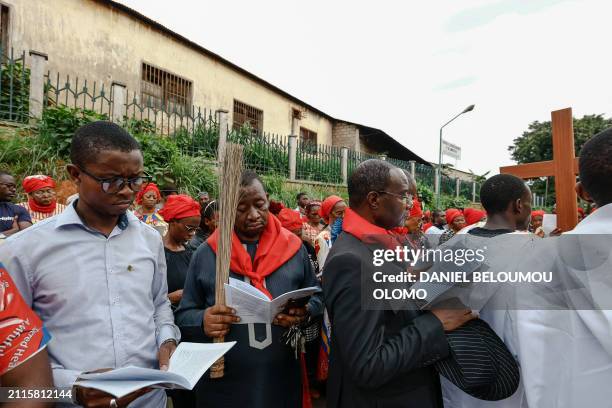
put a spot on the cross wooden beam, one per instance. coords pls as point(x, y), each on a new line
point(563, 166)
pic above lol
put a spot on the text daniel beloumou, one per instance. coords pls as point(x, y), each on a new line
point(459, 257)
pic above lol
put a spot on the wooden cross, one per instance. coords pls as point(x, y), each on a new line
point(563, 166)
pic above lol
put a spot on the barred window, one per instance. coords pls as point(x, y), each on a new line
point(4, 29)
point(244, 114)
point(308, 136)
point(163, 90)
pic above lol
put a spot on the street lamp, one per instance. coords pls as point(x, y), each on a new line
point(466, 110)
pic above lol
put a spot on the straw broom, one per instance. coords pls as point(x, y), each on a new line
point(230, 172)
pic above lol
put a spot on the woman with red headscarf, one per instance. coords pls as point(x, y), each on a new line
point(182, 214)
point(332, 208)
point(146, 211)
point(456, 222)
point(474, 218)
point(535, 225)
point(42, 202)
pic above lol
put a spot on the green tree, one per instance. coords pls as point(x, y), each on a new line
point(535, 144)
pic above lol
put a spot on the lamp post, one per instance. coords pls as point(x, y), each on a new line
point(439, 181)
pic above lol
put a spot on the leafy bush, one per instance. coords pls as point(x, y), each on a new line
point(138, 126)
point(203, 140)
point(279, 190)
point(59, 123)
point(193, 174)
point(15, 95)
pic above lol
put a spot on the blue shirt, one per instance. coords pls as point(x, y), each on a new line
point(8, 211)
point(104, 299)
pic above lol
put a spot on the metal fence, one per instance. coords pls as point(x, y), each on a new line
point(317, 162)
point(196, 131)
point(14, 87)
point(264, 153)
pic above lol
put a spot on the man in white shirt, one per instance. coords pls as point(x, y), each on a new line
point(96, 275)
point(439, 223)
point(563, 341)
point(566, 355)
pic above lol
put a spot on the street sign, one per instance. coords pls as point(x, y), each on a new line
point(451, 150)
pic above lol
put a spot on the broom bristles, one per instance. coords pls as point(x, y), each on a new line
point(230, 172)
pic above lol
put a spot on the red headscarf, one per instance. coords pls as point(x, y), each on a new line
point(276, 246)
point(473, 215)
point(35, 183)
point(327, 206)
point(148, 187)
point(536, 213)
point(451, 214)
point(416, 210)
point(180, 206)
point(290, 219)
point(275, 207)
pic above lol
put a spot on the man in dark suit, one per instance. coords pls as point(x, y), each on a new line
point(379, 358)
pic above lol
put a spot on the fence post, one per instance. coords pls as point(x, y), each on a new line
point(437, 183)
point(457, 187)
point(38, 68)
point(292, 156)
point(413, 169)
point(344, 165)
point(119, 97)
point(473, 191)
point(222, 115)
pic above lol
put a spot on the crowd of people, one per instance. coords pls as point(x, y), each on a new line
point(125, 271)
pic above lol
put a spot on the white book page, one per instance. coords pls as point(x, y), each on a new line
point(248, 288)
point(187, 365)
point(549, 223)
point(250, 308)
point(191, 360)
point(116, 388)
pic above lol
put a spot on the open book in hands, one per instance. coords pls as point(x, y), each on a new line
point(187, 365)
point(253, 306)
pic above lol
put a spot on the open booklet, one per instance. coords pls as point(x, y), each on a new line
point(253, 306)
point(187, 365)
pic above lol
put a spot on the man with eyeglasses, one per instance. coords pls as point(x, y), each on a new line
point(13, 218)
point(97, 275)
point(380, 355)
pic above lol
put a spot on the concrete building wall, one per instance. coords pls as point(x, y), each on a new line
point(90, 40)
point(346, 135)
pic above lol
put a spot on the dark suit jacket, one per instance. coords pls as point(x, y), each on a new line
point(379, 358)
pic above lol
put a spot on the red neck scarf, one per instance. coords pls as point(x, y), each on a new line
point(45, 209)
point(367, 232)
point(276, 246)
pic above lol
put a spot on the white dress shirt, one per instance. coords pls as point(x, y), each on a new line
point(103, 299)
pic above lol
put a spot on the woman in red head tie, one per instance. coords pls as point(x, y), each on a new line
point(456, 221)
point(146, 210)
point(42, 202)
point(312, 227)
point(332, 208)
point(535, 225)
point(182, 213)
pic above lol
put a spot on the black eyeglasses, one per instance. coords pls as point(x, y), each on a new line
point(406, 198)
point(113, 185)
